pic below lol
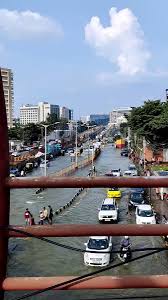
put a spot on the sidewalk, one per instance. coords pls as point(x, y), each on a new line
point(160, 206)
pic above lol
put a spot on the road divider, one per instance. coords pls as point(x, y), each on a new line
point(68, 204)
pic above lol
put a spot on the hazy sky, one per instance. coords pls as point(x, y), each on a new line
point(89, 55)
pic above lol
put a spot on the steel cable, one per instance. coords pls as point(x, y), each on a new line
point(75, 248)
point(72, 281)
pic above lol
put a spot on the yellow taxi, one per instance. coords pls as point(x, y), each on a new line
point(113, 193)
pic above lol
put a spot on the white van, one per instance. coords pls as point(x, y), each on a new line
point(101, 246)
point(108, 211)
point(145, 214)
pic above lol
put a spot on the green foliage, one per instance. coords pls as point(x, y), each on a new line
point(52, 118)
point(124, 129)
point(151, 121)
point(32, 132)
point(159, 168)
point(15, 133)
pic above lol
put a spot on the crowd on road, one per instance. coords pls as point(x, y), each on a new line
point(45, 216)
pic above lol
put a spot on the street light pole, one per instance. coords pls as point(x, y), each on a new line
point(76, 143)
point(45, 157)
point(45, 146)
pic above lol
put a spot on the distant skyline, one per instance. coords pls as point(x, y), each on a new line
point(90, 56)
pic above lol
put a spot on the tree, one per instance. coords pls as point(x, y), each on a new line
point(32, 132)
point(52, 118)
point(124, 128)
point(16, 132)
point(151, 121)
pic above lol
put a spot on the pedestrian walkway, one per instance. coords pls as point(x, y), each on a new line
point(160, 206)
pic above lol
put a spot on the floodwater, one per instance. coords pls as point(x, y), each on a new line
point(31, 257)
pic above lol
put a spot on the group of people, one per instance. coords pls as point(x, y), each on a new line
point(45, 216)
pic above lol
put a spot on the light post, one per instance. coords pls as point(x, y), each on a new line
point(76, 142)
point(76, 145)
point(45, 145)
point(90, 126)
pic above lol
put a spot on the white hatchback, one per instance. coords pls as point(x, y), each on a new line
point(145, 214)
point(101, 246)
point(108, 211)
point(116, 172)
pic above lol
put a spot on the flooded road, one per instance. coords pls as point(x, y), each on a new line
point(32, 257)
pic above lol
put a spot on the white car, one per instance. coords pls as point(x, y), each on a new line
point(145, 214)
point(127, 173)
point(15, 154)
point(116, 172)
point(108, 211)
point(101, 246)
point(133, 170)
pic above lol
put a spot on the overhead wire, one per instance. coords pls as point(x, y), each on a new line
point(75, 248)
point(91, 274)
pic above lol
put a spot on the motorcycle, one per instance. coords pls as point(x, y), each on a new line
point(125, 254)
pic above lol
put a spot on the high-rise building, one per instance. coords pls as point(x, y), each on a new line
point(29, 114)
point(98, 119)
point(7, 80)
point(66, 113)
point(37, 113)
point(118, 115)
point(46, 109)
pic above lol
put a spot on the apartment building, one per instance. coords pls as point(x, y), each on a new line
point(66, 113)
point(118, 115)
point(7, 80)
point(29, 114)
point(37, 113)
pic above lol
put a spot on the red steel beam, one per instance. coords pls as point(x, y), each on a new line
point(100, 282)
point(4, 190)
point(75, 230)
point(86, 182)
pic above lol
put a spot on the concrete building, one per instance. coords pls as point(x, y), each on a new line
point(85, 119)
point(117, 116)
point(37, 113)
point(46, 109)
point(66, 113)
point(7, 80)
point(29, 114)
point(98, 119)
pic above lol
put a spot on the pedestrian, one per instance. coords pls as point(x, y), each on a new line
point(50, 214)
point(94, 169)
point(32, 222)
point(45, 213)
point(27, 216)
point(22, 173)
point(41, 216)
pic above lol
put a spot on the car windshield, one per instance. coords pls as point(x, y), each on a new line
point(145, 213)
point(108, 207)
point(113, 189)
point(137, 197)
point(131, 168)
point(98, 244)
point(115, 170)
point(139, 190)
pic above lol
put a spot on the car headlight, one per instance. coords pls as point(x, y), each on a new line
point(86, 256)
point(105, 257)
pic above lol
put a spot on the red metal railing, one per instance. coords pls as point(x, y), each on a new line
point(102, 282)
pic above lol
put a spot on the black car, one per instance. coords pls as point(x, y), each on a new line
point(138, 190)
point(124, 152)
point(136, 199)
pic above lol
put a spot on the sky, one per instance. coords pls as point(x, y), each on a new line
point(91, 56)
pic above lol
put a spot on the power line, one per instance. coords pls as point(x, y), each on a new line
point(79, 249)
point(156, 250)
point(68, 282)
